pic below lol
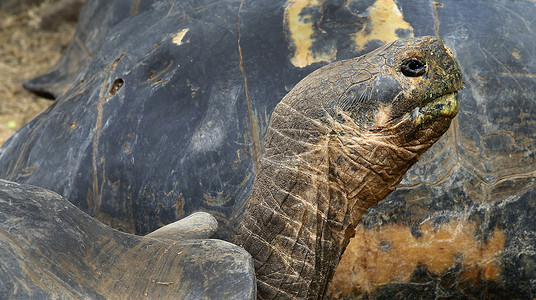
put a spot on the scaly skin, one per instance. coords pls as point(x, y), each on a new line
point(338, 144)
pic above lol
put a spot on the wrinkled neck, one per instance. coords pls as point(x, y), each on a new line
point(313, 186)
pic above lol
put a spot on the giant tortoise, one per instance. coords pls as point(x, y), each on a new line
point(337, 144)
point(52, 250)
point(170, 116)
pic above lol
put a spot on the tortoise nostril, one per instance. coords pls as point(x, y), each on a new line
point(413, 67)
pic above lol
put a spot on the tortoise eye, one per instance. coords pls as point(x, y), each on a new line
point(413, 67)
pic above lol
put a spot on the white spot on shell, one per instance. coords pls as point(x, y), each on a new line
point(178, 39)
point(213, 129)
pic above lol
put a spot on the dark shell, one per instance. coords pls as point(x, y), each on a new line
point(160, 124)
point(166, 121)
point(96, 19)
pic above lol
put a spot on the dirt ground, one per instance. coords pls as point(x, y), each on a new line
point(27, 49)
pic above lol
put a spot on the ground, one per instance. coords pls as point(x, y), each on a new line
point(27, 49)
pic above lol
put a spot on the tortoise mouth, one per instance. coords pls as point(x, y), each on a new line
point(445, 106)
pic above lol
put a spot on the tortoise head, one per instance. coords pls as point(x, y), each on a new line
point(337, 144)
point(408, 87)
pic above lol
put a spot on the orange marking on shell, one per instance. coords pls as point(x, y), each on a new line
point(390, 254)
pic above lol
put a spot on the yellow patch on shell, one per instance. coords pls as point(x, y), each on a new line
point(391, 254)
point(301, 27)
point(516, 54)
point(178, 39)
point(385, 20)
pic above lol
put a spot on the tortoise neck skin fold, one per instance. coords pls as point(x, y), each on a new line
point(338, 144)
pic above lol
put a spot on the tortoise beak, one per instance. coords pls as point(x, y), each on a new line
point(445, 106)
